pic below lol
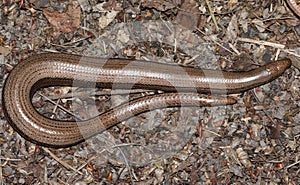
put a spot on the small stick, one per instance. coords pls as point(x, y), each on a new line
point(212, 14)
point(66, 165)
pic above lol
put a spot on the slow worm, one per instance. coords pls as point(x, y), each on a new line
point(294, 6)
point(180, 85)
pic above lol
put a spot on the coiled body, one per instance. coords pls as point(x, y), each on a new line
point(181, 84)
point(294, 6)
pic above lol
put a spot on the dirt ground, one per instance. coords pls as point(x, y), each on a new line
point(255, 141)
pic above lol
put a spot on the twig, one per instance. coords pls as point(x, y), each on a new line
point(8, 159)
point(261, 42)
point(212, 14)
point(280, 47)
point(124, 157)
point(264, 110)
point(71, 43)
point(213, 40)
point(234, 49)
point(61, 107)
point(66, 165)
point(1, 175)
point(86, 94)
point(89, 160)
point(212, 132)
point(45, 174)
point(298, 162)
point(289, 51)
point(55, 107)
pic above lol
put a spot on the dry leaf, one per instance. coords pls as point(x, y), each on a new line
point(65, 22)
point(232, 29)
point(4, 51)
point(260, 25)
point(40, 3)
point(110, 13)
point(104, 21)
point(231, 3)
point(187, 15)
point(160, 4)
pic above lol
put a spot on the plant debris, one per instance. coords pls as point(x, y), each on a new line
point(256, 141)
